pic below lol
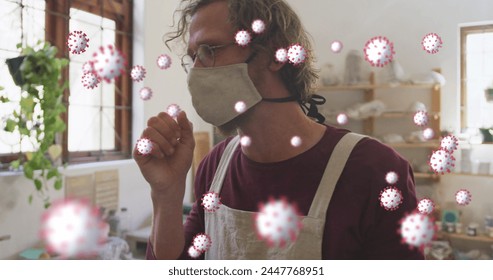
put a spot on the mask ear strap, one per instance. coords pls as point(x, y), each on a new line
point(312, 110)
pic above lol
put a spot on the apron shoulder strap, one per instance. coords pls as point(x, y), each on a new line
point(217, 182)
point(333, 171)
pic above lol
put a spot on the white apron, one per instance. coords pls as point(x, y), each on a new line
point(232, 231)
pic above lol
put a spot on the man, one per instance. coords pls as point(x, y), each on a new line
point(222, 73)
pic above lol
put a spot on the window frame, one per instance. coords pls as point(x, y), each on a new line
point(57, 28)
point(464, 32)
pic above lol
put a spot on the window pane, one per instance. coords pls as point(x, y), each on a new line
point(32, 30)
point(88, 108)
point(479, 73)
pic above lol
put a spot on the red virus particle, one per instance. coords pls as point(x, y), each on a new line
point(72, 228)
point(431, 43)
point(296, 54)
point(390, 198)
point(463, 197)
point(144, 146)
point(258, 26)
point(77, 42)
point(420, 118)
point(278, 222)
point(426, 206)
point(441, 161)
point(163, 61)
point(202, 242)
point(379, 51)
point(391, 177)
point(88, 67)
point(211, 202)
point(145, 93)
point(281, 55)
point(193, 253)
point(417, 230)
point(336, 46)
point(449, 143)
point(138, 73)
point(245, 141)
point(109, 63)
point(428, 133)
point(90, 80)
point(173, 110)
point(342, 119)
point(243, 38)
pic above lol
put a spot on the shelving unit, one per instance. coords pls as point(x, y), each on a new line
point(478, 238)
point(370, 92)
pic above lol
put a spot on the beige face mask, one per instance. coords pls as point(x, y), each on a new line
point(216, 92)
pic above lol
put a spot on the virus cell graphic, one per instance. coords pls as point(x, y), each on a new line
point(342, 119)
point(145, 93)
point(138, 73)
point(258, 26)
point(441, 161)
point(449, 143)
point(72, 228)
point(163, 61)
point(431, 43)
point(391, 177)
point(245, 141)
point(417, 230)
point(88, 67)
point(281, 55)
point(296, 54)
point(144, 146)
point(173, 110)
point(379, 51)
point(240, 107)
point(463, 197)
point(390, 198)
point(420, 118)
point(278, 222)
point(193, 253)
point(90, 80)
point(77, 42)
point(243, 38)
point(295, 141)
point(336, 46)
point(109, 63)
point(426, 206)
point(428, 133)
point(202, 242)
point(211, 202)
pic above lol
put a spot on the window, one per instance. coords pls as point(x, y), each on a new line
point(476, 76)
point(98, 120)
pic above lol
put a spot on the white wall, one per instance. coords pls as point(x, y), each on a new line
point(151, 21)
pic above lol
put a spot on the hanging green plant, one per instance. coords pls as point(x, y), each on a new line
point(38, 115)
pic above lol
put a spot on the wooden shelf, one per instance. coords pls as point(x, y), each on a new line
point(403, 114)
point(426, 175)
point(471, 174)
point(372, 87)
point(429, 144)
point(479, 238)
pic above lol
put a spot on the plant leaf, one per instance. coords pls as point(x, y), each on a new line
point(15, 164)
point(10, 126)
point(28, 171)
point(30, 199)
point(58, 184)
point(52, 173)
point(38, 184)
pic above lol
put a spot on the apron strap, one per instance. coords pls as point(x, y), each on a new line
point(217, 182)
point(333, 170)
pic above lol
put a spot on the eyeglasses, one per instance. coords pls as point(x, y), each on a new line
point(206, 55)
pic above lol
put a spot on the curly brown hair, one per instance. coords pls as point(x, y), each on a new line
point(283, 29)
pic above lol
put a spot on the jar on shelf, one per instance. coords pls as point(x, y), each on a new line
point(472, 229)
